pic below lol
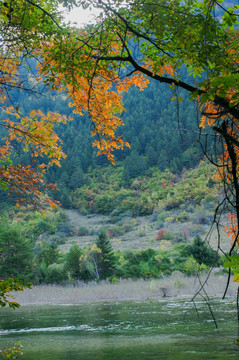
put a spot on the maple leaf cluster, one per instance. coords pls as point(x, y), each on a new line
point(36, 134)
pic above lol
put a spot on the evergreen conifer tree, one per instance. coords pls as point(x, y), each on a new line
point(107, 259)
point(15, 253)
point(201, 252)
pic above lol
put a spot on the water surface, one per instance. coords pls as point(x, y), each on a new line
point(129, 330)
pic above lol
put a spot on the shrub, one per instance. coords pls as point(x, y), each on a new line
point(201, 217)
point(64, 228)
point(44, 226)
point(170, 219)
point(116, 231)
point(178, 237)
point(191, 266)
point(109, 233)
point(183, 216)
point(104, 204)
point(82, 231)
point(160, 234)
point(174, 203)
point(55, 274)
point(141, 233)
point(57, 239)
point(164, 264)
point(178, 284)
point(127, 227)
point(162, 216)
point(164, 291)
point(72, 263)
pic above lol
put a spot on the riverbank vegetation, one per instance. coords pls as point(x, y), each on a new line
point(31, 249)
point(175, 285)
point(53, 248)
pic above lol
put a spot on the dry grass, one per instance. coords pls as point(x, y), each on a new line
point(176, 285)
point(131, 239)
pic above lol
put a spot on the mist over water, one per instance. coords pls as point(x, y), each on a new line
point(128, 330)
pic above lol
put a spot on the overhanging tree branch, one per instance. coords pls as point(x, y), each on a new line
point(224, 103)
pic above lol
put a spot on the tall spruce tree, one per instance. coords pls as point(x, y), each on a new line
point(107, 259)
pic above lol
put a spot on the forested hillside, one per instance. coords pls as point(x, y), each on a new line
point(163, 136)
point(162, 176)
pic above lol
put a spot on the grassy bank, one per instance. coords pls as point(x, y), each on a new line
point(175, 285)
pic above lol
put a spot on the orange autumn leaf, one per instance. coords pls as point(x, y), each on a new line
point(101, 97)
point(35, 132)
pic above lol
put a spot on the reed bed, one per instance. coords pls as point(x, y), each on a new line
point(173, 286)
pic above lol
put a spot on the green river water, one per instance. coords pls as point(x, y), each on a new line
point(167, 329)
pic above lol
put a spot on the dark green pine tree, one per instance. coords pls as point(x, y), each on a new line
point(107, 259)
point(15, 253)
point(202, 252)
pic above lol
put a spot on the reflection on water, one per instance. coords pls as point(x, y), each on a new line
point(167, 330)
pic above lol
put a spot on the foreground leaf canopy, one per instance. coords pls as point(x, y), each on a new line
point(24, 27)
